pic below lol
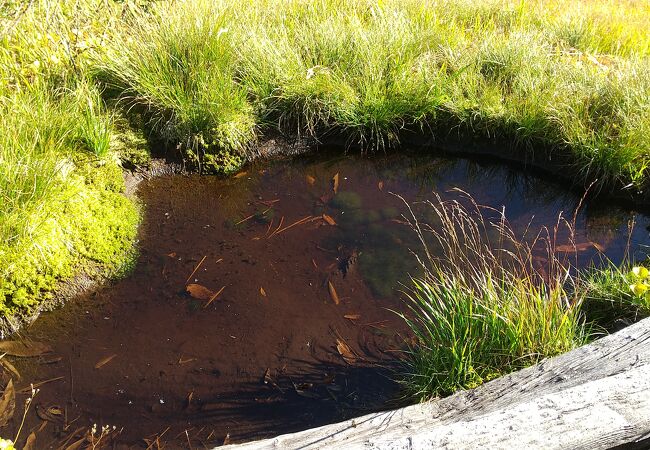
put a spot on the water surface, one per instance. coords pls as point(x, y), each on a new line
point(264, 357)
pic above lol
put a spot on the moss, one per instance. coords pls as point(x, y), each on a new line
point(223, 162)
point(87, 222)
point(346, 200)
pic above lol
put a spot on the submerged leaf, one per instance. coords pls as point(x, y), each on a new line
point(198, 291)
point(352, 316)
point(77, 444)
point(263, 292)
point(9, 367)
point(24, 348)
point(380, 185)
point(7, 404)
point(579, 247)
point(329, 219)
point(311, 180)
point(30, 444)
point(333, 294)
point(335, 183)
point(51, 413)
point(345, 352)
point(102, 362)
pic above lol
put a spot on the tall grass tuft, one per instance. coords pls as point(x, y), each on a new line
point(492, 303)
point(570, 79)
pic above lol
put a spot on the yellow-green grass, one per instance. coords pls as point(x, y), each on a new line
point(569, 79)
point(62, 208)
point(485, 307)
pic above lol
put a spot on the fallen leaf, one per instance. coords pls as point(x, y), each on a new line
point(7, 404)
point(579, 247)
point(172, 254)
point(52, 413)
point(263, 292)
point(345, 352)
point(24, 348)
point(102, 362)
point(198, 291)
point(335, 183)
point(333, 294)
point(311, 180)
point(186, 360)
point(303, 390)
point(329, 219)
point(52, 360)
point(380, 185)
point(9, 367)
point(30, 444)
point(352, 316)
point(241, 174)
point(76, 445)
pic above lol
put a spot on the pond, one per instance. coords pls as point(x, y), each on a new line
point(264, 303)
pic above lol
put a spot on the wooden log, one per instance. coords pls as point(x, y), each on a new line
point(596, 397)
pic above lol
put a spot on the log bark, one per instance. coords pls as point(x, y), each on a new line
point(596, 397)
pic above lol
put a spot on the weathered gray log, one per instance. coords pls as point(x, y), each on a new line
point(597, 396)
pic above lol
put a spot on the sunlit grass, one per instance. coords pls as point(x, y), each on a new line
point(490, 303)
point(61, 201)
point(567, 79)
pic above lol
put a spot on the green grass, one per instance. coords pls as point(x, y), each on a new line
point(485, 307)
point(567, 79)
point(62, 207)
point(81, 81)
point(610, 302)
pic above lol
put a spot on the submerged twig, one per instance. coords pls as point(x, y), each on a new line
point(195, 269)
point(298, 222)
point(214, 297)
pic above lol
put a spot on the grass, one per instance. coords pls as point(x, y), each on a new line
point(490, 303)
point(62, 206)
point(81, 80)
point(609, 300)
point(571, 80)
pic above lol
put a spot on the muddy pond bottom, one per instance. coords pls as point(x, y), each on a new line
point(264, 303)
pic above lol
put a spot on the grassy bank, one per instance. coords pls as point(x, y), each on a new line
point(62, 208)
point(567, 81)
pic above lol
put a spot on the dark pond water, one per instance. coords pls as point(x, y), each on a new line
point(266, 355)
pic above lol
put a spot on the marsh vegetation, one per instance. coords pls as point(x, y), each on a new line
point(89, 88)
